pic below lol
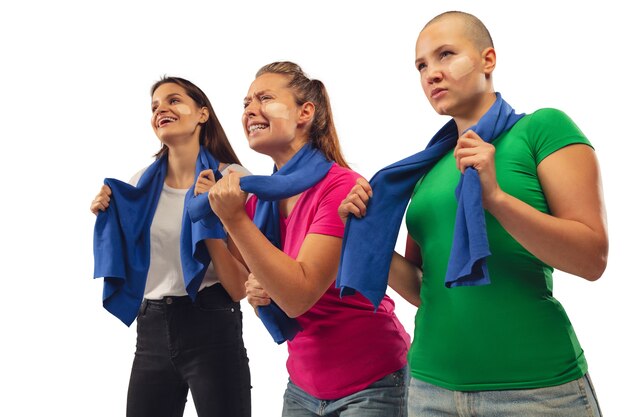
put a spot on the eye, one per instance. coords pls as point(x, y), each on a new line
point(420, 66)
point(174, 100)
point(265, 97)
point(444, 54)
point(246, 103)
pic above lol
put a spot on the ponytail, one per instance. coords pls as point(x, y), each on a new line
point(323, 135)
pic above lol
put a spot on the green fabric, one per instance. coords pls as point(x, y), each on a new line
point(511, 334)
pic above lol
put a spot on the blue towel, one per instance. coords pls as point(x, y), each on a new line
point(305, 169)
point(369, 242)
point(121, 242)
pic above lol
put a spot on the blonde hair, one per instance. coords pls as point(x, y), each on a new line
point(322, 135)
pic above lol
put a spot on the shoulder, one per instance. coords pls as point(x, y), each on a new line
point(134, 180)
point(338, 174)
point(339, 179)
point(550, 129)
point(549, 115)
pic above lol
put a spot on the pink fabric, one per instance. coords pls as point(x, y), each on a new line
point(344, 346)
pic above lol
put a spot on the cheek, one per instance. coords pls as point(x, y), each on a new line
point(460, 67)
point(183, 109)
point(276, 111)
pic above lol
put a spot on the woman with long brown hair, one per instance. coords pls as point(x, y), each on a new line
point(178, 279)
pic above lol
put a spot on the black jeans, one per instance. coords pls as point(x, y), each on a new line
point(184, 346)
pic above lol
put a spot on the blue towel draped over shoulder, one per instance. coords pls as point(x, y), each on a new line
point(305, 169)
point(121, 242)
point(369, 242)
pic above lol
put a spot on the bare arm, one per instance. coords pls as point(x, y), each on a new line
point(294, 284)
point(405, 275)
point(230, 271)
point(573, 238)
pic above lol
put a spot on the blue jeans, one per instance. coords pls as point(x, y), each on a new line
point(184, 346)
point(573, 399)
point(384, 398)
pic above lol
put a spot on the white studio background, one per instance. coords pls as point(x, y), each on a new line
point(76, 107)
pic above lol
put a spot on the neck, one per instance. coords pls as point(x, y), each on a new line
point(478, 110)
point(282, 156)
point(181, 165)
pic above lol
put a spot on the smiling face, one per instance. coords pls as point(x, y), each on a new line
point(455, 74)
point(272, 120)
point(176, 118)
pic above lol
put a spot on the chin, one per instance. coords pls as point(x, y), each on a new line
point(258, 146)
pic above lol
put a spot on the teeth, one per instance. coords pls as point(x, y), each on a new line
point(166, 119)
point(256, 127)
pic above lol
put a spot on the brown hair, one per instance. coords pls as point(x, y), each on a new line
point(475, 28)
point(212, 135)
point(322, 135)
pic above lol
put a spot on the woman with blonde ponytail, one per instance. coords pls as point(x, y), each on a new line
point(343, 359)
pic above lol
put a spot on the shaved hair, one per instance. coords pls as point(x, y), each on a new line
point(475, 29)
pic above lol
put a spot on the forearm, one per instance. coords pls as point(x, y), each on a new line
point(230, 272)
point(282, 277)
point(565, 244)
point(406, 279)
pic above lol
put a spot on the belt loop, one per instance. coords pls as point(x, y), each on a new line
point(144, 307)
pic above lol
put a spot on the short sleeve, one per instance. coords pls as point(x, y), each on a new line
point(134, 180)
point(551, 130)
point(326, 220)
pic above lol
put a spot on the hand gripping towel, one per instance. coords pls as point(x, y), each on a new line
point(368, 243)
point(122, 239)
point(305, 169)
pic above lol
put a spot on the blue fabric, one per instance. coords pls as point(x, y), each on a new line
point(369, 242)
point(121, 242)
point(305, 169)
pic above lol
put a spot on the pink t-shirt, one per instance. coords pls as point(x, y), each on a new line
point(344, 346)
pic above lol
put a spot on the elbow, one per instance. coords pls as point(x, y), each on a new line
point(597, 269)
point(296, 311)
point(238, 297)
point(236, 294)
point(597, 265)
point(297, 308)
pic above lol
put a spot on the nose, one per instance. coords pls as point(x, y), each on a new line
point(161, 108)
point(433, 74)
point(252, 109)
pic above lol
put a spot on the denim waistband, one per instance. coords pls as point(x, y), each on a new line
point(212, 295)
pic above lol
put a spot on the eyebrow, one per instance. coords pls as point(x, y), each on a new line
point(435, 51)
point(168, 96)
point(258, 93)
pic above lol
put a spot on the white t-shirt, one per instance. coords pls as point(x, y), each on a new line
point(165, 275)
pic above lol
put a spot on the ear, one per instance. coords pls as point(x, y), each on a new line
point(489, 61)
point(204, 114)
point(307, 112)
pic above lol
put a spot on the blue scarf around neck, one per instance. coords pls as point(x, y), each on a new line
point(369, 242)
point(122, 239)
point(305, 169)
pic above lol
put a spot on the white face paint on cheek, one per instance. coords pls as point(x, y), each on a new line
point(276, 110)
point(460, 67)
point(183, 109)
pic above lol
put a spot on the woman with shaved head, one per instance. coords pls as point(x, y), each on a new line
point(497, 201)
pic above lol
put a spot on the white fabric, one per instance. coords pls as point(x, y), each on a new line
point(165, 275)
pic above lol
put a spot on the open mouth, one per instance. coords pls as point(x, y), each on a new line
point(165, 121)
point(258, 126)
